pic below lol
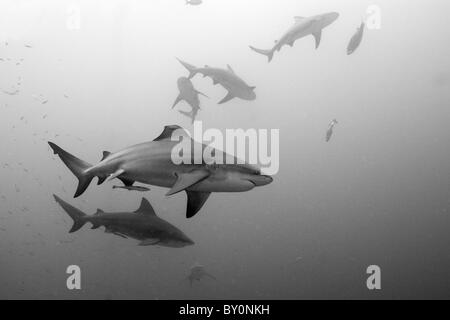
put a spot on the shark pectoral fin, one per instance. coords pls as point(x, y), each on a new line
point(195, 201)
point(101, 180)
point(116, 174)
point(188, 114)
point(201, 93)
point(317, 35)
point(149, 242)
point(127, 182)
point(185, 180)
point(228, 97)
point(178, 99)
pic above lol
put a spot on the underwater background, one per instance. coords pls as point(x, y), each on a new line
point(377, 193)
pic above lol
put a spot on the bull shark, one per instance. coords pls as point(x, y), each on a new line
point(227, 78)
point(189, 94)
point(198, 272)
point(143, 225)
point(302, 28)
point(330, 129)
point(151, 163)
point(356, 39)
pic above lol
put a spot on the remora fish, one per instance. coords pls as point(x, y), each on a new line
point(330, 129)
point(151, 163)
point(227, 78)
point(302, 28)
point(189, 94)
point(132, 188)
point(142, 224)
point(355, 41)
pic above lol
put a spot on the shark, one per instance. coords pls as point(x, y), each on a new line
point(198, 272)
point(227, 78)
point(188, 93)
point(143, 225)
point(303, 26)
point(356, 39)
point(330, 129)
point(151, 163)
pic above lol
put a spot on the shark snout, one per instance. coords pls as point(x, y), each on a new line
point(185, 240)
point(260, 180)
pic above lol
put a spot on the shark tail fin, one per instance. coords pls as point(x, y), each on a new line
point(192, 69)
point(268, 53)
point(76, 215)
point(78, 167)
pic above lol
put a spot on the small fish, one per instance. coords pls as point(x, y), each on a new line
point(194, 2)
point(356, 39)
point(330, 129)
point(11, 93)
point(132, 188)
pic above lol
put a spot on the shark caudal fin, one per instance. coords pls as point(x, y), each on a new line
point(268, 53)
point(192, 69)
point(76, 215)
point(77, 166)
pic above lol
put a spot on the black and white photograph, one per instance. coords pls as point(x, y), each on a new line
point(224, 150)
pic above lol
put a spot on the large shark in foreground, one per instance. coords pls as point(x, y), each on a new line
point(227, 78)
point(189, 94)
point(302, 28)
point(142, 224)
point(151, 163)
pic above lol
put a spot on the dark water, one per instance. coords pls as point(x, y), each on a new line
point(377, 193)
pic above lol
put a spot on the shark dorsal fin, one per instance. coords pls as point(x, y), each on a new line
point(105, 154)
point(146, 208)
point(168, 131)
point(230, 68)
point(99, 211)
